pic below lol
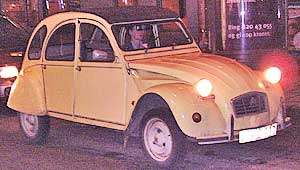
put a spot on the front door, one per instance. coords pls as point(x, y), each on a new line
point(58, 69)
point(99, 85)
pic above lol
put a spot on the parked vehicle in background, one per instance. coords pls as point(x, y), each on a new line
point(140, 71)
point(13, 39)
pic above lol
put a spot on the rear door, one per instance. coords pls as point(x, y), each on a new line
point(58, 69)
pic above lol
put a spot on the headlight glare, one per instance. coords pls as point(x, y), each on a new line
point(8, 72)
point(273, 75)
point(204, 87)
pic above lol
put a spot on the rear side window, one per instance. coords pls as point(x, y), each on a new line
point(61, 45)
point(37, 44)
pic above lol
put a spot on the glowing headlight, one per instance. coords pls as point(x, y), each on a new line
point(204, 87)
point(8, 72)
point(273, 75)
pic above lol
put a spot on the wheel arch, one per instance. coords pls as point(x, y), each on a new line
point(145, 104)
point(176, 97)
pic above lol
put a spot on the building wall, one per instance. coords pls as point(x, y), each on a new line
point(14, 9)
point(192, 17)
point(294, 27)
point(147, 2)
point(85, 4)
point(30, 12)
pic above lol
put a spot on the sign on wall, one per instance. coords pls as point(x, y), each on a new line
point(253, 24)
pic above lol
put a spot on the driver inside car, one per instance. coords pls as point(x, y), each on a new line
point(137, 37)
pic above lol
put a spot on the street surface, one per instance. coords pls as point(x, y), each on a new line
point(73, 146)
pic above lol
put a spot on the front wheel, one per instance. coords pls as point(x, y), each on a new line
point(35, 128)
point(163, 141)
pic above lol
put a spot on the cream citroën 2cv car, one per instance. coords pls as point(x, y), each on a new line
point(78, 66)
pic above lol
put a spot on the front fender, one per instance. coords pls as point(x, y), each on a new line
point(27, 93)
point(276, 98)
point(183, 101)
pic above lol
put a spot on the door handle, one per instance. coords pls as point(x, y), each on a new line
point(78, 68)
point(44, 66)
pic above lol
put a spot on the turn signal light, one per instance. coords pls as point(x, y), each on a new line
point(197, 117)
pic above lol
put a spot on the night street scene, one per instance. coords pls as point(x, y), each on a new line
point(149, 85)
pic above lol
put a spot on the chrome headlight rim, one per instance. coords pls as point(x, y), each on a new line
point(272, 75)
point(204, 87)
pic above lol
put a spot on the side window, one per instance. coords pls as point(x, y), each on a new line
point(94, 44)
point(37, 44)
point(61, 45)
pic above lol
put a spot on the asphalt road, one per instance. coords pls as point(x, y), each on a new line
point(73, 146)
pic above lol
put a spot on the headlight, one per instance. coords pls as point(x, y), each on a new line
point(8, 72)
point(273, 75)
point(204, 87)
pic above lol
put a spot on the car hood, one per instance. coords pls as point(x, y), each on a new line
point(226, 75)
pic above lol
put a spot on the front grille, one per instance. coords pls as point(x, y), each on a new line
point(250, 103)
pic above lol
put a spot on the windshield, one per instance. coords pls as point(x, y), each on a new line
point(148, 35)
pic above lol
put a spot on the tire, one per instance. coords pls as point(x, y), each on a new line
point(163, 141)
point(35, 128)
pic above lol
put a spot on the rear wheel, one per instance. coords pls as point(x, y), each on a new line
point(163, 141)
point(35, 128)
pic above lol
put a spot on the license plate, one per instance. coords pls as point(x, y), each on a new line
point(250, 135)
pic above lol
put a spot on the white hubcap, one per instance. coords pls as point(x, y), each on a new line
point(158, 139)
point(29, 123)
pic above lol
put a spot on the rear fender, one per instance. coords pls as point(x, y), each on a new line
point(27, 93)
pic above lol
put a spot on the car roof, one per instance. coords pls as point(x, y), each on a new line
point(131, 13)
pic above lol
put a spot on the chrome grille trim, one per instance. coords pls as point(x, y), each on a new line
point(250, 103)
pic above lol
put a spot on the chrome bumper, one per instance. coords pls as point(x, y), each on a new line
point(234, 134)
point(282, 120)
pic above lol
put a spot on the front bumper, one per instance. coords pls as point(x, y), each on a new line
point(233, 135)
